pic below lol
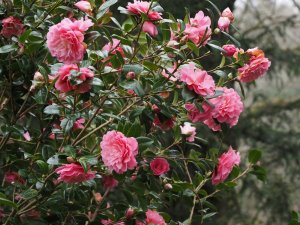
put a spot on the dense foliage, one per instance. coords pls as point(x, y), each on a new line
point(94, 112)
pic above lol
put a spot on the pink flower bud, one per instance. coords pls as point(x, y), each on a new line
point(129, 213)
point(223, 24)
point(150, 28)
point(168, 186)
point(130, 75)
point(230, 50)
point(98, 197)
point(84, 6)
point(227, 13)
point(38, 76)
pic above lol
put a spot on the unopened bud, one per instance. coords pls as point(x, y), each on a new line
point(130, 75)
point(230, 75)
point(168, 186)
point(98, 197)
point(217, 31)
point(70, 159)
point(38, 76)
point(129, 213)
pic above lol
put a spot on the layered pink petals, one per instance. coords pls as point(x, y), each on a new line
point(197, 80)
point(139, 7)
point(223, 24)
point(257, 66)
point(74, 173)
point(153, 217)
point(226, 109)
point(65, 40)
point(118, 152)
point(113, 47)
point(228, 13)
point(227, 161)
point(81, 82)
point(188, 131)
point(150, 28)
point(198, 30)
point(12, 26)
point(78, 124)
point(159, 166)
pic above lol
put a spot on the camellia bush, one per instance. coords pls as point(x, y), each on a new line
point(99, 117)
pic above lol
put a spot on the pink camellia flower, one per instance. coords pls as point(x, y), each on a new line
point(84, 6)
point(12, 26)
point(13, 177)
point(139, 7)
point(257, 66)
point(74, 173)
point(129, 213)
point(188, 131)
point(198, 30)
point(227, 161)
point(78, 124)
point(197, 80)
point(109, 182)
point(27, 136)
point(223, 24)
point(159, 166)
point(153, 217)
point(65, 40)
point(170, 74)
point(113, 47)
point(118, 152)
point(227, 107)
point(83, 79)
point(150, 28)
point(230, 49)
point(227, 13)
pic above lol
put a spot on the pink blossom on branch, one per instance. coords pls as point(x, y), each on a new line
point(65, 40)
point(74, 173)
point(153, 217)
point(118, 152)
point(228, 13)
point(189, 131)
point(12, 26)
point(109, 182)
point(198, 30)
point(13, 177)
point(84, 6)
point(150, 28)
point(230, 49)
point(84, 78)
point(223, 24)
point(257, 66)
point(139, 7)
point(226, 163)
point(159, 166)
point(197, 80)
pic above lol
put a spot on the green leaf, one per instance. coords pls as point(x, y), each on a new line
point(193, 47)
point(187, 94)
point(8, 48)
point(254, 156)
point(30, 193)
point(6, 202)
point(104, 8)
point(52, 109)
point(259, 172)
point(133, 85)
point(213, 46)
point(144, 143)
point(67, 124)
point(136, 68)
point(237, 44)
